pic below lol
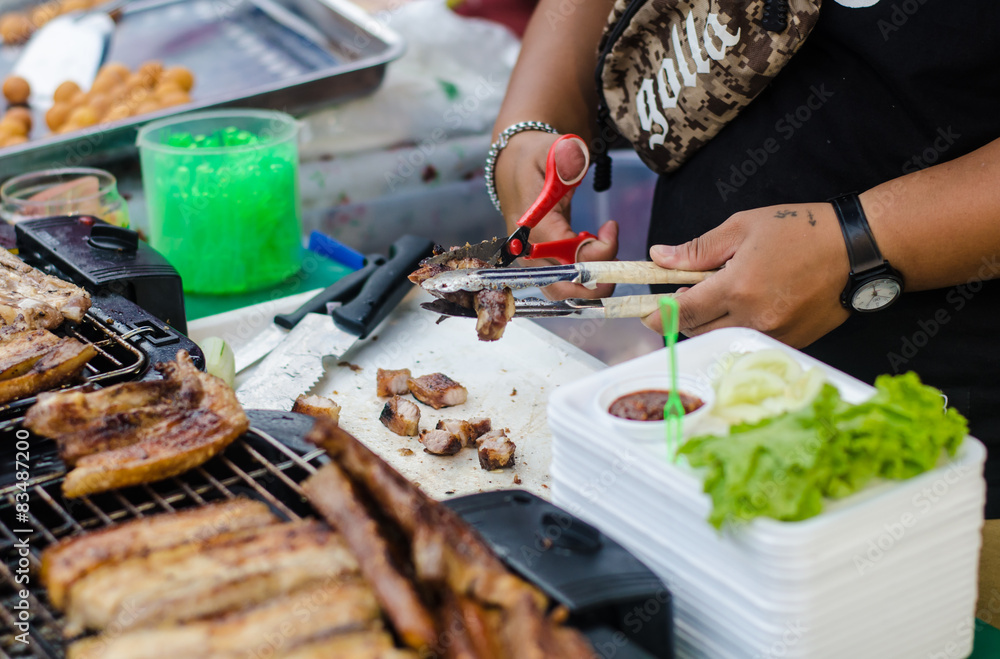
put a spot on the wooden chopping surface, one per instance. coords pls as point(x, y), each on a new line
point(509, 381)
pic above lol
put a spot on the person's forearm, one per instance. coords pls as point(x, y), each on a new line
point(940, 226)
point(553, 80)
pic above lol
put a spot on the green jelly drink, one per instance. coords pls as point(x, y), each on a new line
point(223, 197)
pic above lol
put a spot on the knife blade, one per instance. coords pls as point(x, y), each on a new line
point(296, 364)
point(345, 288)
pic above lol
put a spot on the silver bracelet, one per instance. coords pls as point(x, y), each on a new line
point(498, 146)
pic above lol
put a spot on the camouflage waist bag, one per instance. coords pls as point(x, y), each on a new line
point(672, 73)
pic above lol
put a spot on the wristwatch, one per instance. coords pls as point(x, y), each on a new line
point(872, 283)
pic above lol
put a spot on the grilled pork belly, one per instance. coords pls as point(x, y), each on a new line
point(20, 350)
point(63, 363)
point(480, 426)
point(284, 627)
point(317, 406)
point(401, 417)
point(31, 299)
point(440, 442)
point(392, 383)
point(496, 451)
point(112, 445)
point(331, 493)
point(437, 390)
point(493, 310)
point(357, 645)
point(72, 558)
point(224, 573)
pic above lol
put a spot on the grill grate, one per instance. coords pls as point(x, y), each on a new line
point(116, 358)
point(256, 465)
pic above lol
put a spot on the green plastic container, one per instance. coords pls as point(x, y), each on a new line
point(222, 190)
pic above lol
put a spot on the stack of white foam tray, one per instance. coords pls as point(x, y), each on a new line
point(888, 572)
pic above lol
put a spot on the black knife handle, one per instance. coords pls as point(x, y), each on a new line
point(385, 288)
point(345, 288)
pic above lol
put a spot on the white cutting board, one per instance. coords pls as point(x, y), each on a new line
point(528, 359)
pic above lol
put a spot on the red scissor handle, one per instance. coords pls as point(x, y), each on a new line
point(555, 188)
point(563, 251)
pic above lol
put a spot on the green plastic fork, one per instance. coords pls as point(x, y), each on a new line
point(673, 411)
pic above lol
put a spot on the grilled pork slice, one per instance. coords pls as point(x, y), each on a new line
point(401, 417)
point(357, 645)
point(445, 548)
point(392, 383)
point(72, 558)
point(493, 311)
point(437, 390)
point(63, 363)
point(317, 406)
point(282, 627)
point(225, 573)
point(31, 299)
point(496, 451)
point(199, 417)
point(440, 442)
point(333, 495)
point(480, 426)
point(20, 350)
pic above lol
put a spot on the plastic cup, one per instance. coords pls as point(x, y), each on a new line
point(222, 191)
point(66, 191)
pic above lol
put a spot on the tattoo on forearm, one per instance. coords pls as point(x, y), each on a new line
point(812, 222)
point(783, 214)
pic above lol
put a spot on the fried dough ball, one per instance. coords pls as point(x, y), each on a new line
point(22, 115)
point(180, 75)
point(15, 27)
point(176, 98)
point(83, 116)
point(117, 112)
point(12, 127)
point(57, 115)
point(16, 90)
point(13, 140)
point(65, 92)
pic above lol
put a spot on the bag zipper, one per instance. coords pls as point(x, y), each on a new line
point(602, 160)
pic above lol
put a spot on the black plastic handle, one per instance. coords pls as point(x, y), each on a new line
point(345, 288)
point(385, 288)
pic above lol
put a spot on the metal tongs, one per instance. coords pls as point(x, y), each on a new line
point(589, 274)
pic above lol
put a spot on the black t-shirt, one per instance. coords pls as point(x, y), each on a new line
point(874, 93)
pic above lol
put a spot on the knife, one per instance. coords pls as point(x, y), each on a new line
point(345, 288)
point(296, 365)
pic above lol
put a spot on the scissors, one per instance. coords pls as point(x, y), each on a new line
point(499, 254)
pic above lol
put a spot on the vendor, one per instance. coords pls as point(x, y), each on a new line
point(895, 104)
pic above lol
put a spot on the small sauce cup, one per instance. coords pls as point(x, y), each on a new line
point(650, 432)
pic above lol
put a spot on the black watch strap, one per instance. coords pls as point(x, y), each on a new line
point(862, 252)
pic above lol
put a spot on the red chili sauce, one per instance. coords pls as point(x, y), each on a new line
point(648, 405)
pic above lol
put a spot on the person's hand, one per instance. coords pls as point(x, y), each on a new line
point(520, 174)
point(785, 267)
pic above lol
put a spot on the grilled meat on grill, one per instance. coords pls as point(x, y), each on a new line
point(31, 299)
point(111, 444)
point(19, 351)
point(437, 390)
point(63, 363)
point(282, 627)
point(356, 645)
point(225, 573)
point(74, 557)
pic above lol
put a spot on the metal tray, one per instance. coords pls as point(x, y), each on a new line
point(288, 55)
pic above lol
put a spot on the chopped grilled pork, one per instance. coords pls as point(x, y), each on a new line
point(437, 390)
point(72, 558)
point(480, 426)
point(63, 363)
point(460, 430)
point(392, 383)
point(31, 299)
point(112, 445)
point(282, 627)
point(317, 406)
point(493, 310)
point(401, 416)
point(496, 451)
point(20, 350)
point(225, 573)
point(331, 493)
point(440, 442)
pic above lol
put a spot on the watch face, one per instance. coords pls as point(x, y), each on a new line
point(875, 294)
